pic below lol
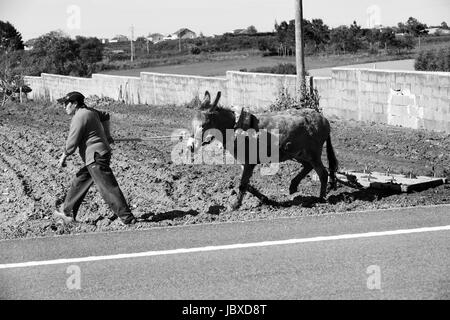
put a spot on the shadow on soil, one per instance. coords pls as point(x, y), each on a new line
point(368, 195)
point(170, 215)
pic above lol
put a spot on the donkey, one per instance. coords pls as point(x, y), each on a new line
point(301, 136)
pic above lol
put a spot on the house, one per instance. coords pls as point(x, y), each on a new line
point(155, 37)
point(28, 45)
point(438, 31)
point(170, 37)
point(104, 40)
point(119, 38)
point(184, 33)
point(240, 31)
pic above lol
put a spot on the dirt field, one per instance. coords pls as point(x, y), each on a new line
point(162, 193)
point(218, 66)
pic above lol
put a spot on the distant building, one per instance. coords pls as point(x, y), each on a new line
point(240, 31)
point(184, 33)
point(119, 38)
point(170, 37)
point(437, 31)
point(28, 45)
point(155, 37)
point(104, 40)
point(400, 34)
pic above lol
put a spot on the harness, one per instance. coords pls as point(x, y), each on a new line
point(247, 121)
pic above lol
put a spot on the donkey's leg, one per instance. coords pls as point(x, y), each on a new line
point(299, 177)
point(246, 175)
point(260, 196)
point(323, 176)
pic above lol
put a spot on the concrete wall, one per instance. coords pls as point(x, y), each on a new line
point(160, 89)
point(410, 99)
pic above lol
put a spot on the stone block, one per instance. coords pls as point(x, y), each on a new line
point(364, 75)
point(378, 108)
point(427, 91)
point(444, 80)
point(373, 77)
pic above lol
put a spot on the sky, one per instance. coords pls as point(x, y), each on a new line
point(107, 18)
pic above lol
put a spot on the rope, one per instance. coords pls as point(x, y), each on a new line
point(156, 138)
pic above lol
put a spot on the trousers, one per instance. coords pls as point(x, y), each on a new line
point(100, 173)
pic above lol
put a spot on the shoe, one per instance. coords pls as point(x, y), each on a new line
point(63, 217)
point(130, 221)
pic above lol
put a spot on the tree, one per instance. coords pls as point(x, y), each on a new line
point(415, 28)
point(90, 49)
point(444, 25)
point(10, 38)
point(11, 76)
point(337, 38)
point(286, 36)
point(251, 30)
point(56, 52)
point(373, 37)
point(347, 39)
point(320, 32)
point(420, 64)
point(387, 37)
point(402, 28)
point(405, 42)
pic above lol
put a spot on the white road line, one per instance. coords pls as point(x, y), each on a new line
point(222, 247)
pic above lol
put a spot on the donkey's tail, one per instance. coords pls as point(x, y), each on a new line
point(332, 162)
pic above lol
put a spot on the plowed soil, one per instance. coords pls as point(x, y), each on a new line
point(162, 193)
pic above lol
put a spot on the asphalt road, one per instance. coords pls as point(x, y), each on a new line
point(310, 260)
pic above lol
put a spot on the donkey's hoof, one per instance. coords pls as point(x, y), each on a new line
point(322, 200)
point(235, 206)
point(332, 185)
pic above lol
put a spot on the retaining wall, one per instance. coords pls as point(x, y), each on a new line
point(411, 99)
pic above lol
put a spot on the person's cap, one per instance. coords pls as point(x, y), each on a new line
point(73, 96)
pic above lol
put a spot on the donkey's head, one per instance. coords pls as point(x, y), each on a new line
point(209, 116)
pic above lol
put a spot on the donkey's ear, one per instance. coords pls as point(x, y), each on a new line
point(216, 101)
point(206, 101)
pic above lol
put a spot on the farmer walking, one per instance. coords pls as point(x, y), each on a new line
point(90, 133)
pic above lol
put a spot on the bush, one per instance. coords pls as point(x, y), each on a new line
point(195, 50)
point(433, 60)
point(282, 68)
point(310, 99)
point(285, 101)
point(194, 103)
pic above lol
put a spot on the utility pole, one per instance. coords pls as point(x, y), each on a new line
point(299, 46)
point(132, 45)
